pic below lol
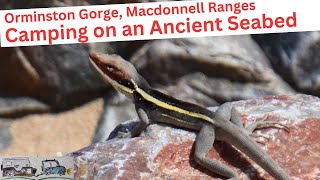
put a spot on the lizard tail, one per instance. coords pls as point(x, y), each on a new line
point(249, 147)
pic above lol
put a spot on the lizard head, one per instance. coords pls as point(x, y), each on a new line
point(118, 72)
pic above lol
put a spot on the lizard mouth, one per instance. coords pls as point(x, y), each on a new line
point(113, 74)
point(108, 68)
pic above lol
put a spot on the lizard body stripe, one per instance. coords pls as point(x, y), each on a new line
point(122, 88)
point(176, 119)
point(171, 107)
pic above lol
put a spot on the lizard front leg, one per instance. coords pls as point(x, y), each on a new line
point(203, 144)
point(137, 129)
point(142, 125)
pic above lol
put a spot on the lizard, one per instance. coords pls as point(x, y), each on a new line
point(154, 106)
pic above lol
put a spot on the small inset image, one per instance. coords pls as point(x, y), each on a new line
point(17, 166)
point(37, 168)
point(53, 166)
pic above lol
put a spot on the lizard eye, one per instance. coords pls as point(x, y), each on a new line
point(110, 68)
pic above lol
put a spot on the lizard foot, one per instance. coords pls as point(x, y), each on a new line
point(123, 134)
point(123, 130)
point(263, 123)
point(260, 138)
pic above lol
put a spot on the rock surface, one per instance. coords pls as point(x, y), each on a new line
point(59, 76)
point(5, 136)
point(296, 57)
point(16, 106)
point(163, 152)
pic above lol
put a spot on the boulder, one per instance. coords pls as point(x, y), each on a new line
point(163, 152)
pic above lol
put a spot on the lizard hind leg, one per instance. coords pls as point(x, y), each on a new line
point(265, 123)
point(203, 144)
point(237, 120)
point(230, 113)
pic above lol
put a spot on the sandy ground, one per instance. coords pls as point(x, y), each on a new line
point(52, 134)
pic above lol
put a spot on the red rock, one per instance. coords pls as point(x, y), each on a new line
point(167, 153)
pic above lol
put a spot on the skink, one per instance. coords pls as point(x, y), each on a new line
point(151, 105)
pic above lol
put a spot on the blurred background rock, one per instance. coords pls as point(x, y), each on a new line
point(52, 100)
